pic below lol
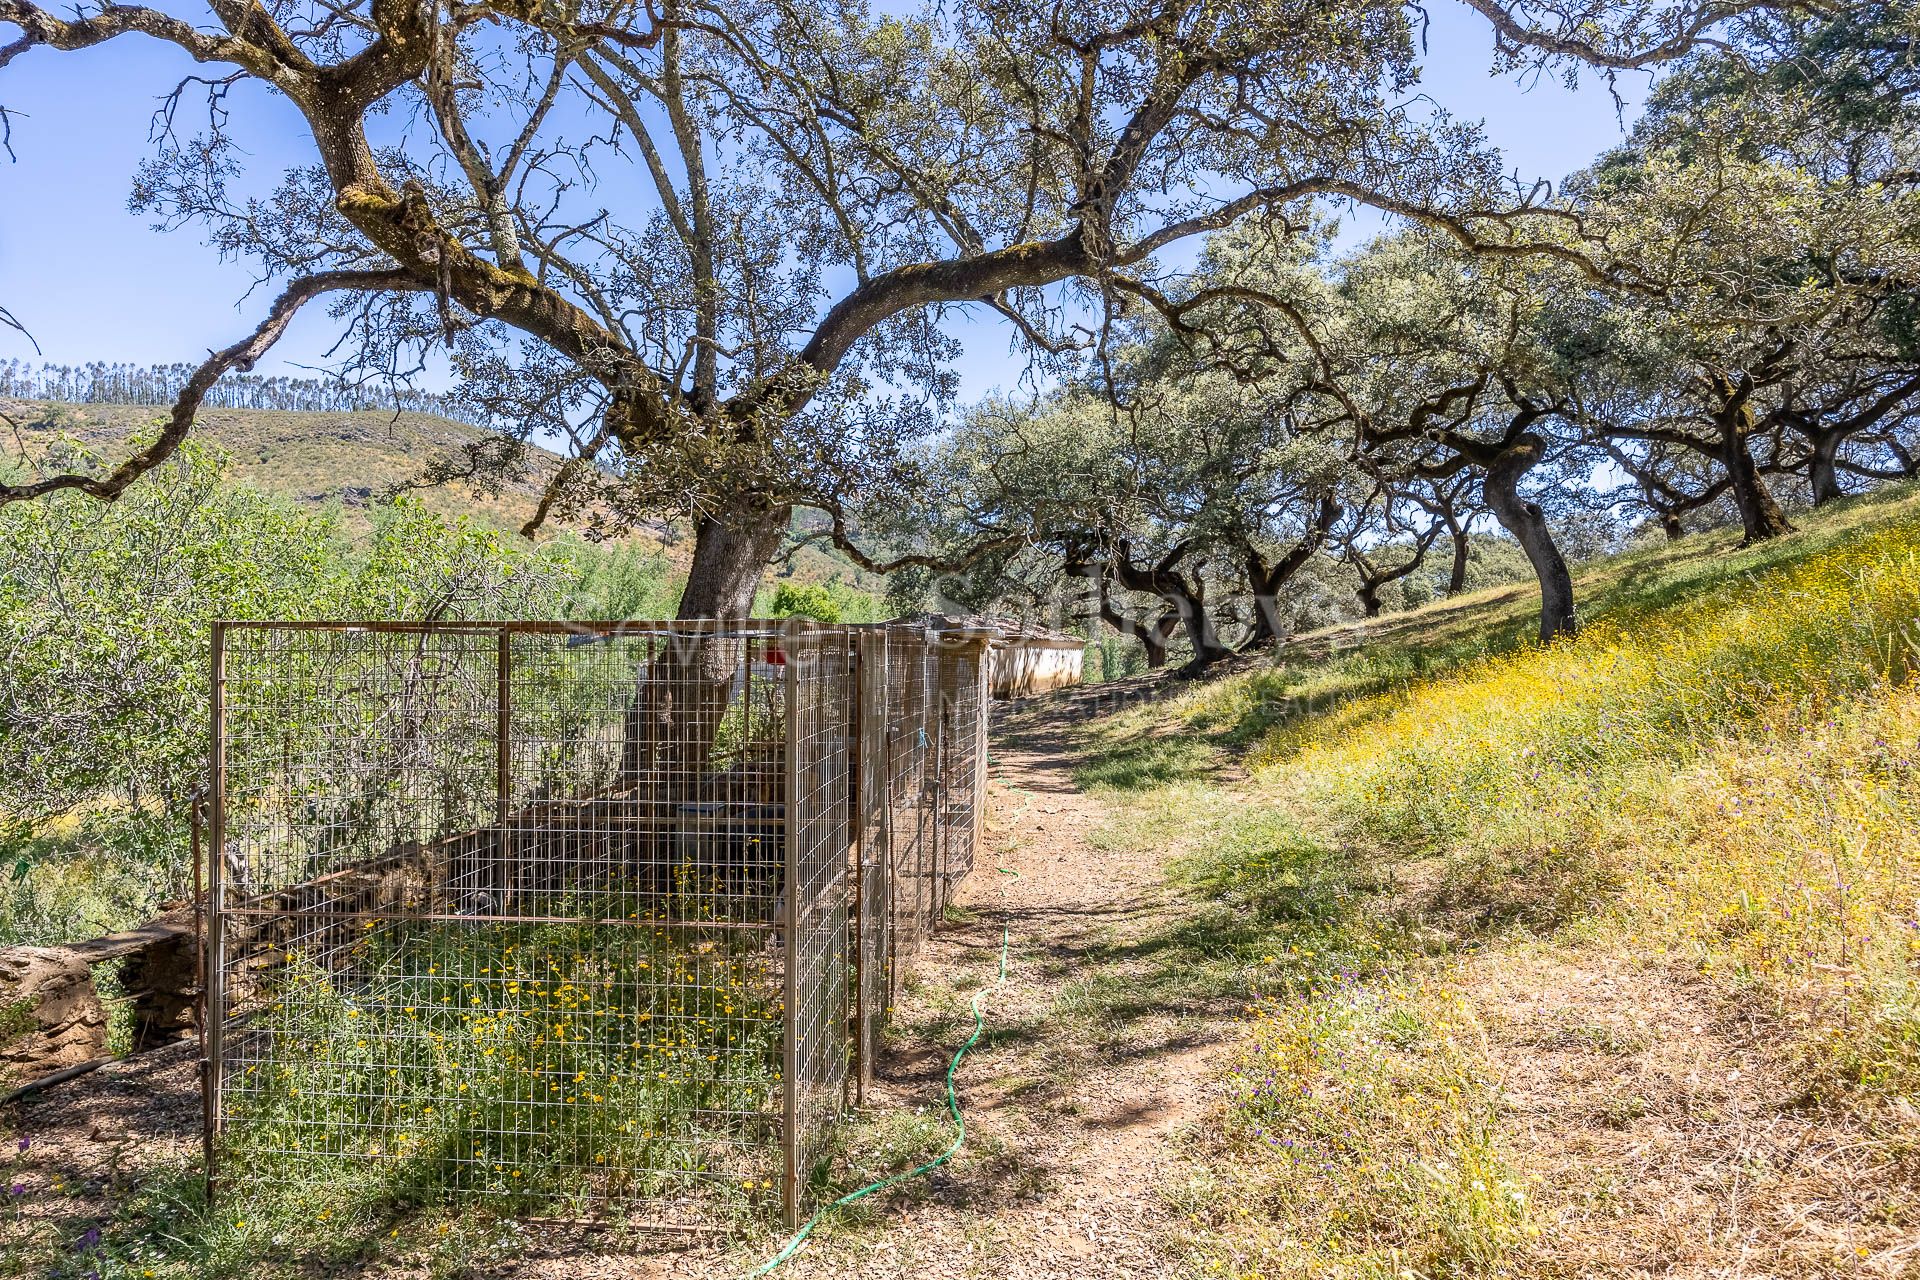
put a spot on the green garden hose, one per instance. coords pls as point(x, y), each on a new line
point(799, 1237)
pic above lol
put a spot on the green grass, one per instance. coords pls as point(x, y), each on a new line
point(1137, 763)
point(429, 1084)
point(16, 1019)
point(1717, 775)
point(1316, 674)
point(564, 1066)
point(1359, 1136)
point(160, 1225)
point(77, 879)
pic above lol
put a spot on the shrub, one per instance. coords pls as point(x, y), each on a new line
point(804, 600)
point(104, 658)
point(103, 628)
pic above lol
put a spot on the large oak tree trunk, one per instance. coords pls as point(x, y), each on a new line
point(1528, 524)
point(1909, 464)
point(1457, 576)
point(1760, 514)
point(1265, 581)
point(677, 709)
point(1153, 636)
point(731, 549)
point(1823, 477)
point(1208, 648)
point(1154, 641)
point(1180, 595)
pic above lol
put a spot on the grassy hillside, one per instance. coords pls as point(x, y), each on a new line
point(1602, 959)
point(353, 459)
point(315, 458)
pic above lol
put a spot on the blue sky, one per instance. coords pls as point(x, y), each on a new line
point(94, 283)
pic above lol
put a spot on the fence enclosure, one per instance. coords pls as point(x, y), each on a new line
point(601, 917)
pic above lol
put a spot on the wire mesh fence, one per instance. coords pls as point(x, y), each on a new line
point(960, 701)
point(605, 919)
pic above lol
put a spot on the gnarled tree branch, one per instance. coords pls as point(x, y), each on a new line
point(239, 357)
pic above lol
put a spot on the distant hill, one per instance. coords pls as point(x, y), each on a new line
point(353, 458)
point(312, 458)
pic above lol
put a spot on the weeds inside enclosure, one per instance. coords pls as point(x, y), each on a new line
point(520, 1061)
point(568, 918)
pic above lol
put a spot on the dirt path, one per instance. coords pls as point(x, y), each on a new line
point(1071, 1106)
point(89, 1141)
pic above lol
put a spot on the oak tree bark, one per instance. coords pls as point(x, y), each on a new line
point(1528, 524)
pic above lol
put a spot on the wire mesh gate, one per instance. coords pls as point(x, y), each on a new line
point(606, 918)
point(921, 791)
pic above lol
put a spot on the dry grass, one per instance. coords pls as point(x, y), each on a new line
point(1597, 960)
point(1662, 1132)
point(352, 459)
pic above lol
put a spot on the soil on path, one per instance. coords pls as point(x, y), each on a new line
point(1073, 1111)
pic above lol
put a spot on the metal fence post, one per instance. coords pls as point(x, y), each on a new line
point(790, 952)
point(212, 977)
point(197, 844)
point(857, 783)
point(503, 763)
point(942, 837)
point(929, 861)
point(984, 701)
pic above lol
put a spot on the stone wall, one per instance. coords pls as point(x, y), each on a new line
point(51, 1015)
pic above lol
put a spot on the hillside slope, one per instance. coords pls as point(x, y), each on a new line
point(1417, 953)
point(355, 459)
point(313, 458)
point(1596, 960)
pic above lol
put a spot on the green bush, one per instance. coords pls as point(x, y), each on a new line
point(105, 613)
point(804, 600)
point(619, 582)
point(103, 627)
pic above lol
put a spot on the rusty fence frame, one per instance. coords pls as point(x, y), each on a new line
point(882, 782)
